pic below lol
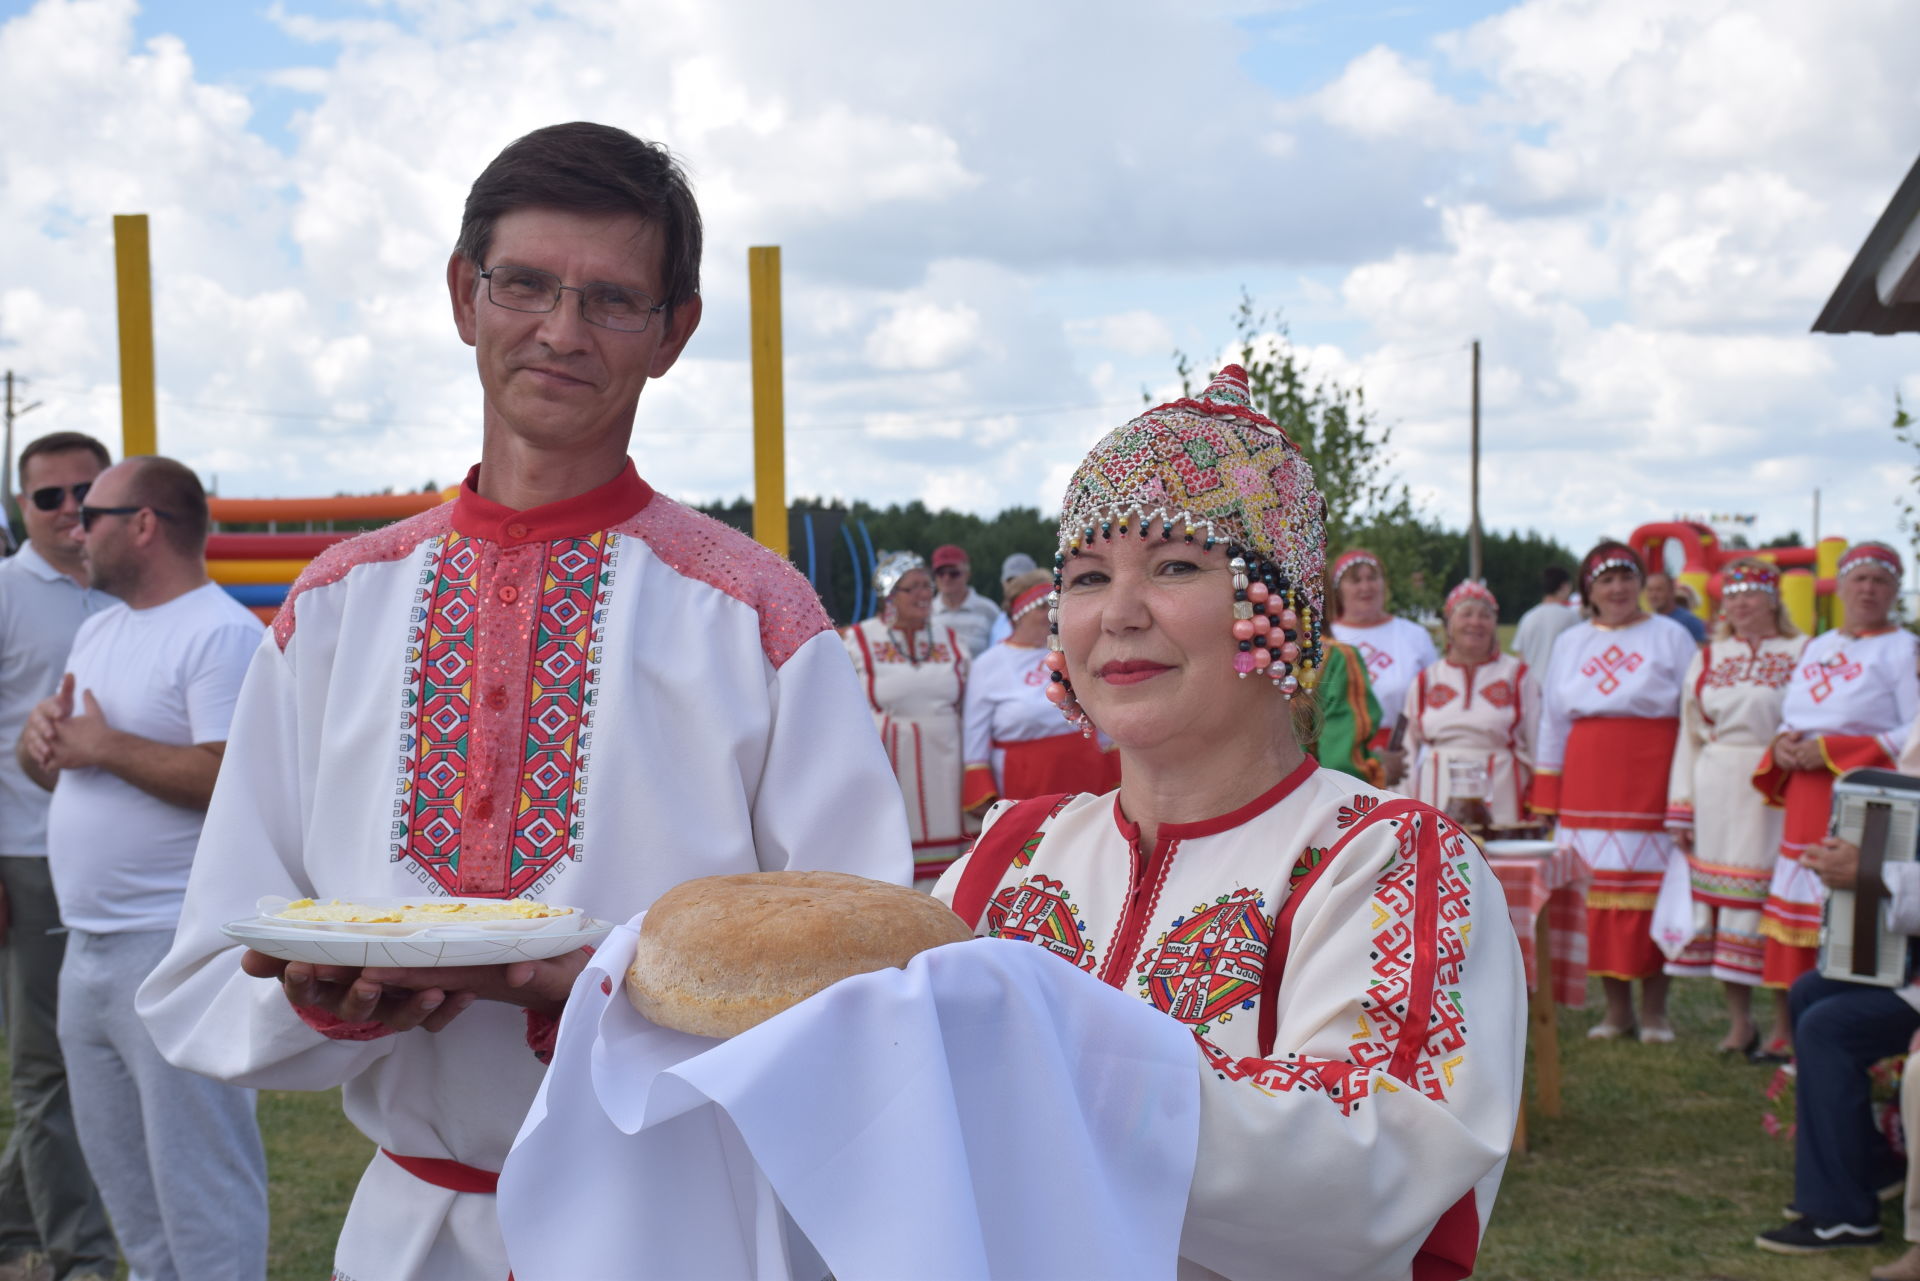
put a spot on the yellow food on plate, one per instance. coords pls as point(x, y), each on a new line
point(440, 911)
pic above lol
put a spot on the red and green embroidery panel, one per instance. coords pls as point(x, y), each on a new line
point(440, 646)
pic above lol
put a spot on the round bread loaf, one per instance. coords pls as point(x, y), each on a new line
point(719, 954)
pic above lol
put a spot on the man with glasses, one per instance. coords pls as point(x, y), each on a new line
point(52, 1224)
point(129, 745)
point(561, 685)
point(956, 604)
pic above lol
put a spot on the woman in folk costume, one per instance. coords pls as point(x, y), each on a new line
point(1465, 727)
point(1349, 714)
point(1342, 957)
point(1016, 744)
point(1850, 703)
point(1729, 709)
point(1609, 716)
point(1395, 650)
point(915, 682)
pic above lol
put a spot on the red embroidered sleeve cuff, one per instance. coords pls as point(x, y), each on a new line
point(1679, 814)
point(335, 1028)
point(1770, 779)
point(541, 1031)
point(976, 786)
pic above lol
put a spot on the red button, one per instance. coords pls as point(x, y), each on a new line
point(509, 593)
point(516, 530)
point(483, 808)
point(496, 698)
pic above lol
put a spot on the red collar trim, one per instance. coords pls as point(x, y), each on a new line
point(1877, 631)
point(621, 498)
point(1225, 822)
point(1468, 667)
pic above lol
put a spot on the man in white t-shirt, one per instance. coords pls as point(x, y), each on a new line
point(1539, 628)
point(130, 746)
point(957, 605)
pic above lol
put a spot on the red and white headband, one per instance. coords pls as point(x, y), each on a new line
point(1028, 601)
point(1751, 578)
point(1470, 589)
point(1878, 554)
point(1347, 560)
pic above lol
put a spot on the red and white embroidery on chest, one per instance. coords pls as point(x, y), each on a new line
point(1500, 693)
point(1771, 671)
point(1607, 667)
point(1378, 660)
point(1037, 910)
point(1383, 1011)
point(1438, 696)
point(493, 763)
point(1821, 674)
point(1210, 963)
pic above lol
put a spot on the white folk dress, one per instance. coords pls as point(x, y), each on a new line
point(1859, 694)
point(1470, 716)
point(915, 685)
point(1374, 1122)
point(1607, 729)
point(1017, 744)
point(1728, 715)
point(588, 703)
point(1397, 651)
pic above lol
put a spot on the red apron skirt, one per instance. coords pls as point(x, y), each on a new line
point(1613, 812)
point(1060, 763)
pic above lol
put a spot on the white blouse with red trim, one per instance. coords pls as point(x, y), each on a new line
point(1864, 685)
point(1632, 671)
point(1378, 1121)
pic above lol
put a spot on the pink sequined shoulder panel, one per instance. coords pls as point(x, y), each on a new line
point(394, 542)
point(722, 557)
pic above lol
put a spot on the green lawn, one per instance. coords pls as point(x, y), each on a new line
point(1658, 1168)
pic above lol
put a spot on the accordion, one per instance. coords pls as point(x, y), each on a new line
point(1879, 811)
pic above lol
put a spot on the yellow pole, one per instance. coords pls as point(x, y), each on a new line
point(769, 399)
point(133, 275)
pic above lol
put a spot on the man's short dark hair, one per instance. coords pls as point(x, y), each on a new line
point(590, 168)
point(1552, 579)
point(60, 442)
point(171, 487)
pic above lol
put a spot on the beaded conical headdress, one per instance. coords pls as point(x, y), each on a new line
point(1212, 469)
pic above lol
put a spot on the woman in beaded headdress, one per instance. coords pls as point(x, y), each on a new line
point(1850, 703)
point(1729, 710)
point(1466, 728)
point(1609, 716)
point(1271, 906)
point(915, 682)
point(1395, 650)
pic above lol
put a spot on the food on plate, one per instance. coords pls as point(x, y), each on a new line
point(719, 954)
point(431, 911)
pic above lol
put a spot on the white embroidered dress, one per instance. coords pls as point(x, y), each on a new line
point(588, 702)
point(1464, 720)
point(1378, 1123)
point(1733, 692)
point(1397, 651)
point(1008, 715)
point(915, 685)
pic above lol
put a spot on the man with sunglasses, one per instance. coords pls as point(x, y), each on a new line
point(52, 1223)
point(561, 685)
point(956, 604)
point(130, 745)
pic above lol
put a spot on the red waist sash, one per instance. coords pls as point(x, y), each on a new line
point(443, 1173)
point(1615, 775)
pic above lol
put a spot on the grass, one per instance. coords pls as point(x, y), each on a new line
point(1657, 1169)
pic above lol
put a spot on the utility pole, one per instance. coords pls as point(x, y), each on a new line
point(1473, 528)
point(9, 507)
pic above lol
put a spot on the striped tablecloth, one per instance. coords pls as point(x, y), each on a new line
point(1556, 882)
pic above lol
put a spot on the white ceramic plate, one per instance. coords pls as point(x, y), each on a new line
point(1519, 849)
point(430, 944)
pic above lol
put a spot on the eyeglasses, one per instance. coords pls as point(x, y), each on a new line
point(950, 571)
point(608, 306)
point(49, 497)
point(90, 514)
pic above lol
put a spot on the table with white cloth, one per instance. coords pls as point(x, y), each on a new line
point(873, 1131)
point(1546, 900)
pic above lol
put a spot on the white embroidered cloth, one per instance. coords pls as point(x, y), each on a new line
point(988, 1112)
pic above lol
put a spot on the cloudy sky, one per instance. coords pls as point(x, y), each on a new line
point(998, 220)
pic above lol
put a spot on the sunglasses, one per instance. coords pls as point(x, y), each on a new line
point(90, 514)
point(49, 497)
point(949, 571)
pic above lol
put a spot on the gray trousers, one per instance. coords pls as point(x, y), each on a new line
point(47, 1198)
point(177, 1156)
